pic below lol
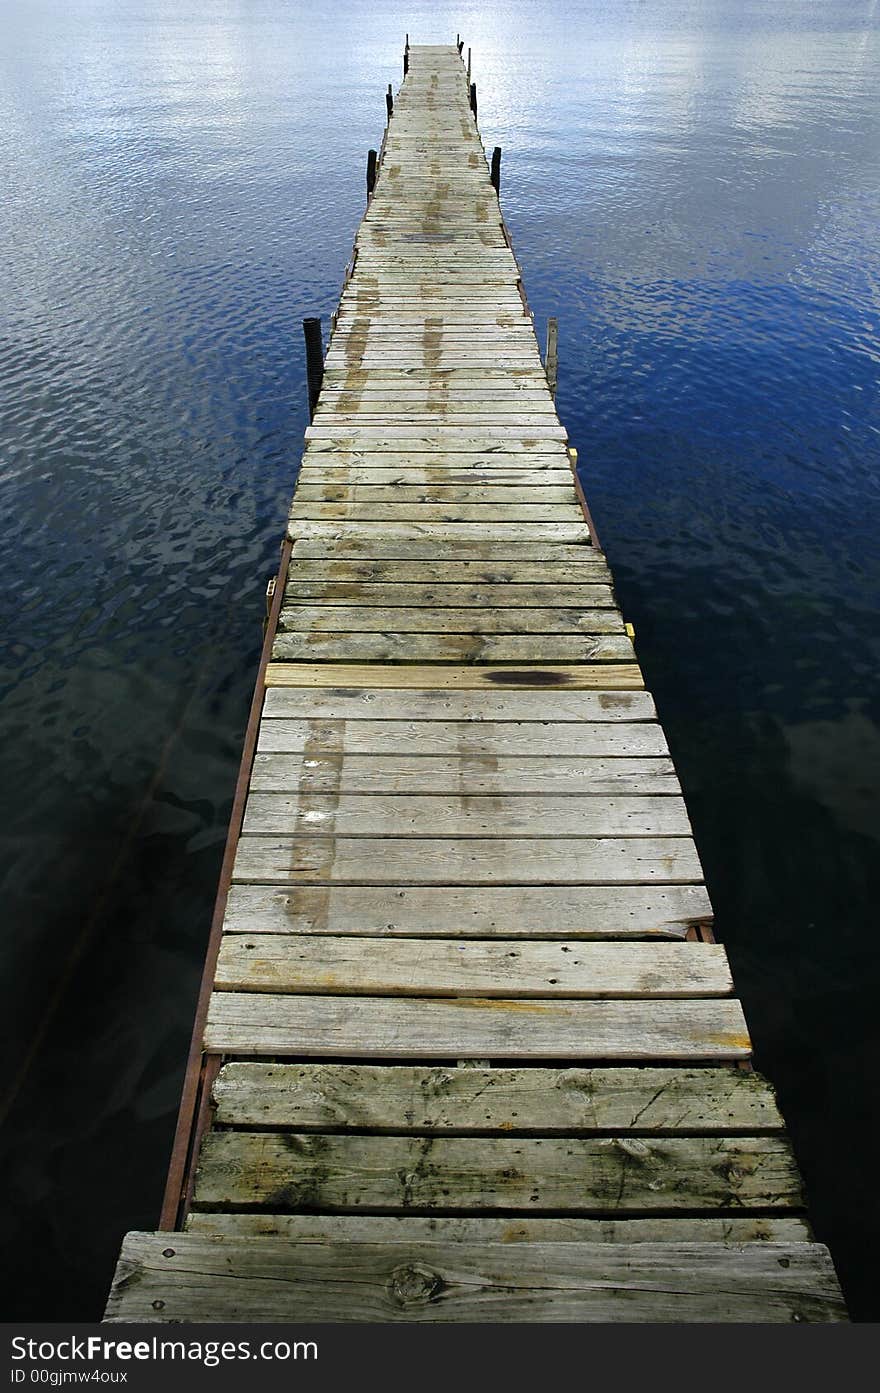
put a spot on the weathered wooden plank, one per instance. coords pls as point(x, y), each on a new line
point(469, 738)
point(336, 617)
point(302, 812)
point(391, 1028)
point(475, 580)
point(247, 1279)
point(467, 861)
point(545, 706)
point(448, 594)
point(546, 676)
point(478, 550)
point(575, 911)
point(480, 494)
point(240, 1170)
point(455, 967)
point(436, 440)
point(353, 647)
point(406, 1228)
point(384, 535)
point(362, 510)
point(414, 435)
point(407, 1098)
point(333, 773)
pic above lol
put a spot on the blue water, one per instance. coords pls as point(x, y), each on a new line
point(693, 187)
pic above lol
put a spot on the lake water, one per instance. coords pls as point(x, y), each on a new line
point(693, 187)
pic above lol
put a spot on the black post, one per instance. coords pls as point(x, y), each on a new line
point(460, 46)
point(389, 101)
point(496, 169)
point(405, 61)
point(474, 99)
point(372, 156)
point(314, 361)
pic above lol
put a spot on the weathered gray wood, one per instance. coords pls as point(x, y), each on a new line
point(435, 512)
point(466, 861)
point(472, 557)
point(467, 1028)
point(356, 617)
point(546, 705)
point(241, 1170)
point(481, 493)
point(501, 479)
point(456, 967)
point(402, 814)
point(466, 738)
point(444, 594)
point(452, 647)
point(406, 1098)
point(573, 911)
point(264, 1279)
point(406, 1228)
point(377, 533)
point(333, 772)
point(415, 440)
point(488, 677)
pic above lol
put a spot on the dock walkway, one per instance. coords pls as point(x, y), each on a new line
point(467, 1049)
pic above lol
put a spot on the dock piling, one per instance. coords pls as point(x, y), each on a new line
point(389, 101)
point(372, 157)
point(551, 354)
point(314, 360)
point(474, 99)
point(496, 169)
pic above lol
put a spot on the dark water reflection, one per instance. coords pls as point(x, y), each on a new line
point(693, 189)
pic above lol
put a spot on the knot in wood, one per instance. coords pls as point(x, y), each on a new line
point(411, 1284)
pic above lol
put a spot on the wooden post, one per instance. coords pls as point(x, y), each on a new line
point(372, 156)
point(314, 361)
point(551, 355)
point(460, 43)
point(474, 99)
point(496, 169)
point(389, 101)
point(405, 61)
point(469, 65)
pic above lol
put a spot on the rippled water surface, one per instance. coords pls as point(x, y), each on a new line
point(692, 188)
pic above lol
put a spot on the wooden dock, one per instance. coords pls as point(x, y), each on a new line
point(467, 1050)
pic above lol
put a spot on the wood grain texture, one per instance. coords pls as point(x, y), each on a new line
point(450, 676)
point(193, 1277)
point(465, 738)
point(408, 1228)
point(347, 703)
point(546, 911)
point(332, 772)
point(579, 1101)
point(359, 616)
point(442, 968)
point(401, 814)
point(315, 1171)
point(471, 1028)
point(367, 860)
